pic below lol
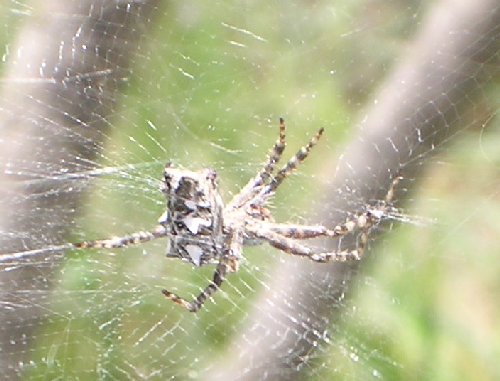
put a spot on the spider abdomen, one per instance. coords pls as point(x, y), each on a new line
point(193, 215)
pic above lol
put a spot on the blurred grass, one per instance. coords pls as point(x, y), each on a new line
point(428, 306)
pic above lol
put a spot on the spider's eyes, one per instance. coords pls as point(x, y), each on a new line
point(180, 224)
point(212, 176)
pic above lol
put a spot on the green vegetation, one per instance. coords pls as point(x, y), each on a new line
point(425, 307)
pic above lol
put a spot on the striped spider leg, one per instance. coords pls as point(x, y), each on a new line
point(285, 236)
point(255, 183)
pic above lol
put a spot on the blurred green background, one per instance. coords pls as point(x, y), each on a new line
point(204, 92)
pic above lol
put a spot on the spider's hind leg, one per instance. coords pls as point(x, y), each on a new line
point(291, 246)
point(296, 231)
point(196, 304)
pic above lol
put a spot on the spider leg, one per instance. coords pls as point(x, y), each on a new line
point(292, 164)
point(196, 304)
point(292, 247)
point(119, 242)
point(227, 263)
point(361, 221)
point(390, 193)
point(112, 243)
point(249, 189)
point(296, 231)
point(273, 158)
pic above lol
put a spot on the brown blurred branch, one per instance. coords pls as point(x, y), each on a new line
point(61, 86)
point(420, 106)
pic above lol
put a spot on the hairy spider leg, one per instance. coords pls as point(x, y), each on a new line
point(119, 242)
point(344, 255)
point(292, 247)
point(255, 182)
point(273, 159)
point(111, 243)
point(360, 221)
point(283, 236)
point(297, 231)
point(196, 304)
point(227, 263)
point(291, 165)
point(390, 193)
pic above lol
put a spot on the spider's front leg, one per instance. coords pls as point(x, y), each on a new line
point(196, 304)
point(253, 185)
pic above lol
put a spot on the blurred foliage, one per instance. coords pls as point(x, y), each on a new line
point(429, 310)
point(428, 304)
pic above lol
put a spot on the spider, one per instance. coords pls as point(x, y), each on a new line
point(201, 230)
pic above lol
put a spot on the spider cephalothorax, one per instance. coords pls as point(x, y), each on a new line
point(201, 230)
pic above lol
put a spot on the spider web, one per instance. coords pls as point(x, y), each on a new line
point(96, 96)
